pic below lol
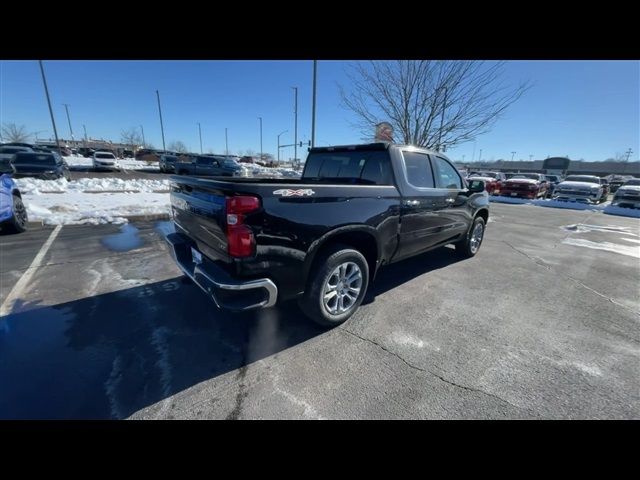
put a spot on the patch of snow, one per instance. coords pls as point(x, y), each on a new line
point(584, 228)
point(81, 208)
point(607, 246)
point(35, 186)
point(251, 170)
point(604, 207)
point(623, 212)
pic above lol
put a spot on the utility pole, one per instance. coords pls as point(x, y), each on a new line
point(66, 107)
point(295, 135)
point(85, 135)
point(161, 125)
point(512, 155)
point(444, 104)
point(226, 142)
point(480, 157)
point(144, 142)
point(463, 158)
point(260, 118)
point(530, 157)
point(200, 133)
point(628, 152)
point(313, 105)
point(46, 91)
point(279, 145)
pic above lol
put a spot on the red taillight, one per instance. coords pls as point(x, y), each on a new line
point(240, 239)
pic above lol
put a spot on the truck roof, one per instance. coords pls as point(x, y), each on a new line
point(369, 146)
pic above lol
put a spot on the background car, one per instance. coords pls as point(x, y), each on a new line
point(105, 161)
point(616, 181)
point(580, 188)
point(553, 180)
point(525, 185)
point(492, 181)
point(13, 214)
point(628, 195)
point(8, 151)
point(167, 163)
point(48, 166)
point(86, 152)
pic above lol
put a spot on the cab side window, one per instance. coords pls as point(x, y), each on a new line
point(446, 175)
point(418, 169)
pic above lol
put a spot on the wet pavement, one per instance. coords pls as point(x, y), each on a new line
point(541, 324)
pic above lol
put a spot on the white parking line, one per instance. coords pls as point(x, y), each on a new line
point(19, 287)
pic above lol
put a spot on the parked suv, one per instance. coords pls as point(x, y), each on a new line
point(167, 163)
point(48, 166)
point(105, 161)
point(208, 165)
point(13, 214)
point(628, 195)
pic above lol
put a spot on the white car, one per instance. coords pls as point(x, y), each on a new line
point(628, 195)
point(105, 161)
point(580, 188)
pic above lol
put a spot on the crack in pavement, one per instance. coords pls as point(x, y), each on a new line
point(567, 277)
point(441, 378)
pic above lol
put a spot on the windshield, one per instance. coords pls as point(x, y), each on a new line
point(13, 149)
point(485, 174)
point(634, 182)
point(105, 155)
point(582, 178)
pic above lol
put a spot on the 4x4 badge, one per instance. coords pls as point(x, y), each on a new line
point(288, 192)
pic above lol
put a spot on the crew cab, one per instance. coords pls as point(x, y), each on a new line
point(628, 195)
point(250, 243)
point(580, 188)
point(47, 166)
point(525, 185)
point(208, 165)
point(492, 181)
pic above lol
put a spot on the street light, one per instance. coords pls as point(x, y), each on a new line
point(279, 144)
point(295, 136)
point(200, 133)
point(66, 107)
point(260, 118)
point(512, 155)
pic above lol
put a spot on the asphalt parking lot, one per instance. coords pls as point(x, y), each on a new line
point(543, 323)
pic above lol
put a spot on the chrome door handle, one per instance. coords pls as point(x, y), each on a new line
point(449, 200)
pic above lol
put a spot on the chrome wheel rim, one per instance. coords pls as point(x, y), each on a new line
point(476, 237)
point(20, 213)
point(342, 288)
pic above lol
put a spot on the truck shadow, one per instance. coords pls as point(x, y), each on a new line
point(396, 274)
point(110, 355)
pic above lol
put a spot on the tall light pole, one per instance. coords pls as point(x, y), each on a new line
point(144, 142)
point(279, 144)
point(313, 105)
point(628, 152)
point(530, 157)
point(85, 135)
point(512, 155)
point(226, 142)
point(295, 135)
point(53, 121)
point(200, 133)
point(161, 124)
point(480, 157)
point(463, 158)
point(260, 118)
point(66, 107)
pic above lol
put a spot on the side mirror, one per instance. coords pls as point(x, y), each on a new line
point(476, 186)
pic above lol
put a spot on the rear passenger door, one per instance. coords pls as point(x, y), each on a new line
point(456, 213)
point(421, 219)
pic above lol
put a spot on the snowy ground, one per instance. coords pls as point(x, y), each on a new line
point(93, 200)
point(126, 163)
point(604, 207)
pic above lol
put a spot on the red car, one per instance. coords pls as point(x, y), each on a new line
point(525, 185)
point(492, 181)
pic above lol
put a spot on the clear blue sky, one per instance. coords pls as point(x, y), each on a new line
point(584, 109)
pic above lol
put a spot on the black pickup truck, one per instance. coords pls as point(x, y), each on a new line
point(321, 238)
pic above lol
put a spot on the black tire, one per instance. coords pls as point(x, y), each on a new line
point(464, 247)
point(312, 303)
point(18, 222)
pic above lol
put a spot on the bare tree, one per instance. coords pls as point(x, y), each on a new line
point(131, 137)
point(177, 146)
point(429, 103)
point(15, 133)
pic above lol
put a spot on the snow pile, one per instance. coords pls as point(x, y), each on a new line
point(35, 186)
point(76, 208)
point(603, 207)
point(124, 163)
point(253, 170)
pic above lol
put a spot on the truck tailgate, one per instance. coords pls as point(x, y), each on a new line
point(199, 209)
